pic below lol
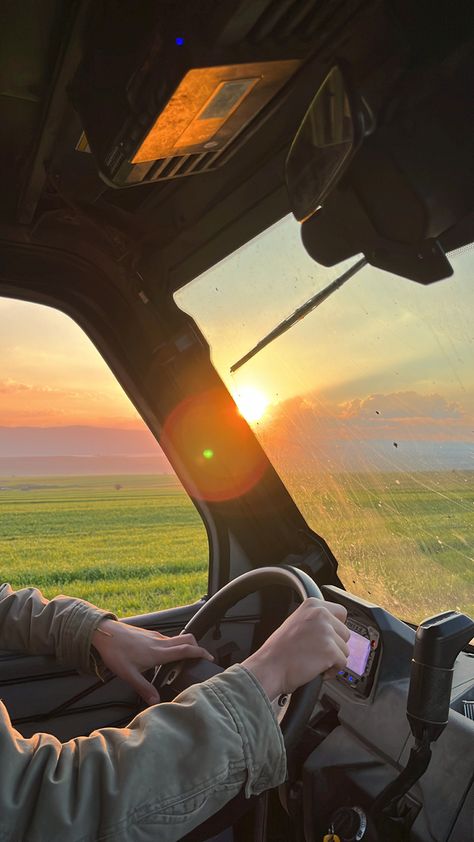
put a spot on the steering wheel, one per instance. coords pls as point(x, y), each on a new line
point(178, 676)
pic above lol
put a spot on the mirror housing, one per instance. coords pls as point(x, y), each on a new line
point(331, 131)
point(397, 197)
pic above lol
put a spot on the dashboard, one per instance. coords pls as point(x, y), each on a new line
point(368, 739)
point(364, 648)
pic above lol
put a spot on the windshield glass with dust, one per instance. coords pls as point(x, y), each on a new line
point(365, 407)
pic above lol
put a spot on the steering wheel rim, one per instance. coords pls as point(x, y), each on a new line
point(304, 699)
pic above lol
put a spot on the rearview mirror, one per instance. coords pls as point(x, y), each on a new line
point(331, 131)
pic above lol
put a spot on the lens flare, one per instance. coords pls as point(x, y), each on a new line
point(217, 448)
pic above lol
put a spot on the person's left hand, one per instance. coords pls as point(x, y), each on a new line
point(128, 651)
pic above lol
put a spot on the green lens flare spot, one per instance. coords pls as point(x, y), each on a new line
point(208, 453)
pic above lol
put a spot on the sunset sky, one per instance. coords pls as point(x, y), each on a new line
point(376, 328)
point(380, 345)
point(52, 375)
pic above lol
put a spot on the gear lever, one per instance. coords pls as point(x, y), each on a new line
point(438, 642)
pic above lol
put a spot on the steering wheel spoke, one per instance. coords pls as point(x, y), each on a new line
point(173, 678)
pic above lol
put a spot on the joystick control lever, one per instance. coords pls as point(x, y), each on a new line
point(438, 642)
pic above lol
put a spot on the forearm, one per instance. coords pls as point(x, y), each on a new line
point(268, 678)
point(62, 626)
point(173, 767)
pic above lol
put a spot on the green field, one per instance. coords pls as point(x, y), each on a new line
point(403, 540)
point(135, 548)
point(135, 543)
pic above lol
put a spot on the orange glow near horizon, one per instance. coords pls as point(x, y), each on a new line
point(28, 404)
point(53, 376)
point(359, 365)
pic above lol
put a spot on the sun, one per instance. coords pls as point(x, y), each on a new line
point(251, 403)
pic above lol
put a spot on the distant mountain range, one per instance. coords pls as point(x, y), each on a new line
point(76, 441)
point(43, 451)
point(361, 456)
point(79, 450)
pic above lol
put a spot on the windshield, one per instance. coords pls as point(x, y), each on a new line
point(365, 408)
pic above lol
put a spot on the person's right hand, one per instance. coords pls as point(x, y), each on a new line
point(311, 641)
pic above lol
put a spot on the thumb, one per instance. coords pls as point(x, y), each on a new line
point(143, 687)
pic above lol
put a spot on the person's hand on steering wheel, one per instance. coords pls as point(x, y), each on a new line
point(312, 641)
point(128, 651)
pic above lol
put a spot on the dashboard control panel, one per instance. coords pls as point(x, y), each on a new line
point(364, 650)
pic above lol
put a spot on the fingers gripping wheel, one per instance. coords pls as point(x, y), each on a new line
point(304, 699)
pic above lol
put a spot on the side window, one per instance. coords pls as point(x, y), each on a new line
point(89, 504)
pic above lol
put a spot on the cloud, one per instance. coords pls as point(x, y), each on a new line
point(12, 387)
point(57, 393)
point(401, 405)
point(305, 420)
point(394, 431)
point(43, 405)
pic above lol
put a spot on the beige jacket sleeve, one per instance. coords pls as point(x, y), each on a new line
point(62, 627)
point(174, 766)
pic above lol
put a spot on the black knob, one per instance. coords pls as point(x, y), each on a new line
point(437, 644)
point(349, 823)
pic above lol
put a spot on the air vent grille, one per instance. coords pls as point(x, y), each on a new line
point(468, 707)
point(163, 169)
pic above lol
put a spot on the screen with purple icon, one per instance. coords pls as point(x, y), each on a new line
point(359, 648)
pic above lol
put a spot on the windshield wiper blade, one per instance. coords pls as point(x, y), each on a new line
point(300, 313)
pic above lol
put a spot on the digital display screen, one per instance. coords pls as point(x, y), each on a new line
point(359, 651)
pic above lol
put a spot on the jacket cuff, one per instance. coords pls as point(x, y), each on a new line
point(262, 739)
point(74, 645)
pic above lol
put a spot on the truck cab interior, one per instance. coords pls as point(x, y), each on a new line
point(151, 154)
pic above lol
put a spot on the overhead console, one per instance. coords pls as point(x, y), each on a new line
point(165, 89)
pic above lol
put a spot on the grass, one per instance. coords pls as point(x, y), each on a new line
point(135, 543)
point(404, 541)
point(134, 548)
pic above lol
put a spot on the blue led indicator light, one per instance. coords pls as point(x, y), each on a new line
point(179, 41)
